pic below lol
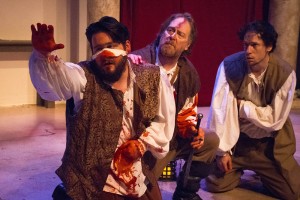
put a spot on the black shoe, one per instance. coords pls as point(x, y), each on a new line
point(182, 195)
point(60, 193)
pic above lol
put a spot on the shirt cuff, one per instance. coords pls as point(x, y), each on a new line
point(141, 146)
point(243, 110)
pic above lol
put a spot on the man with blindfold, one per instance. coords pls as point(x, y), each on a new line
point(118, 114)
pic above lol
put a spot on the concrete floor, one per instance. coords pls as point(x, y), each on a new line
point(32, 141)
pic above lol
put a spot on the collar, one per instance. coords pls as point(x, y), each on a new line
point(258, 79)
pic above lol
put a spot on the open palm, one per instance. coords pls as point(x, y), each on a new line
point(43, 38)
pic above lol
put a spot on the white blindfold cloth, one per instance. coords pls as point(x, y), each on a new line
point(107, 52)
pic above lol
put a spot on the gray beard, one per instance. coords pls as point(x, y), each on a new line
point(167, 51)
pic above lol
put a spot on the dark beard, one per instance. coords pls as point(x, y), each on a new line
point(115, 76)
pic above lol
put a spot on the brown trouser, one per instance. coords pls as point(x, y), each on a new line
point(255, 155)
point(205, 154)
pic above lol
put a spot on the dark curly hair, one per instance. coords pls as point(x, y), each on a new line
point(109, 25)
point(193, 34)
point(264, 29)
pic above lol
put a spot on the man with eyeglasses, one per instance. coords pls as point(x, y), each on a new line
point(175, 40)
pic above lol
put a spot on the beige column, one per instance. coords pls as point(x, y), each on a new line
point(284, 15)
point(100, 8)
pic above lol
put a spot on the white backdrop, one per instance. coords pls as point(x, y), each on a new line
point(15, 19)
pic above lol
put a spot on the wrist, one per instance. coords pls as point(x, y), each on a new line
point(42, 54)
point(223, 153)
point(190, 131)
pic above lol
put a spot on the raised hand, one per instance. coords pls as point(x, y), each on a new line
point(42, 38)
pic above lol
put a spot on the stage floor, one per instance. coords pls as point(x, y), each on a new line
point(32, 141)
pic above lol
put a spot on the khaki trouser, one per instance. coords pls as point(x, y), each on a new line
point(205, 154)
point(255, 155)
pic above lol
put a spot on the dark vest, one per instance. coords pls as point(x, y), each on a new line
point(93, 133)
point(276, 75)
point(236, 71)
point(187, 83)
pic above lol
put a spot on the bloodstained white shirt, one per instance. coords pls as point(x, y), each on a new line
point(191, 103)
point(57, 80)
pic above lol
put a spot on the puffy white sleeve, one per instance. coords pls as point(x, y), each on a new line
point(157, 136)
point(223, 113)
point(271, 117)
point(54, 79)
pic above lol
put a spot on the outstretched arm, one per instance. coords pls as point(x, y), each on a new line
point(53, 78)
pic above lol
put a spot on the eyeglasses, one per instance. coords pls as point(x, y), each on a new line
point(172, 31)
